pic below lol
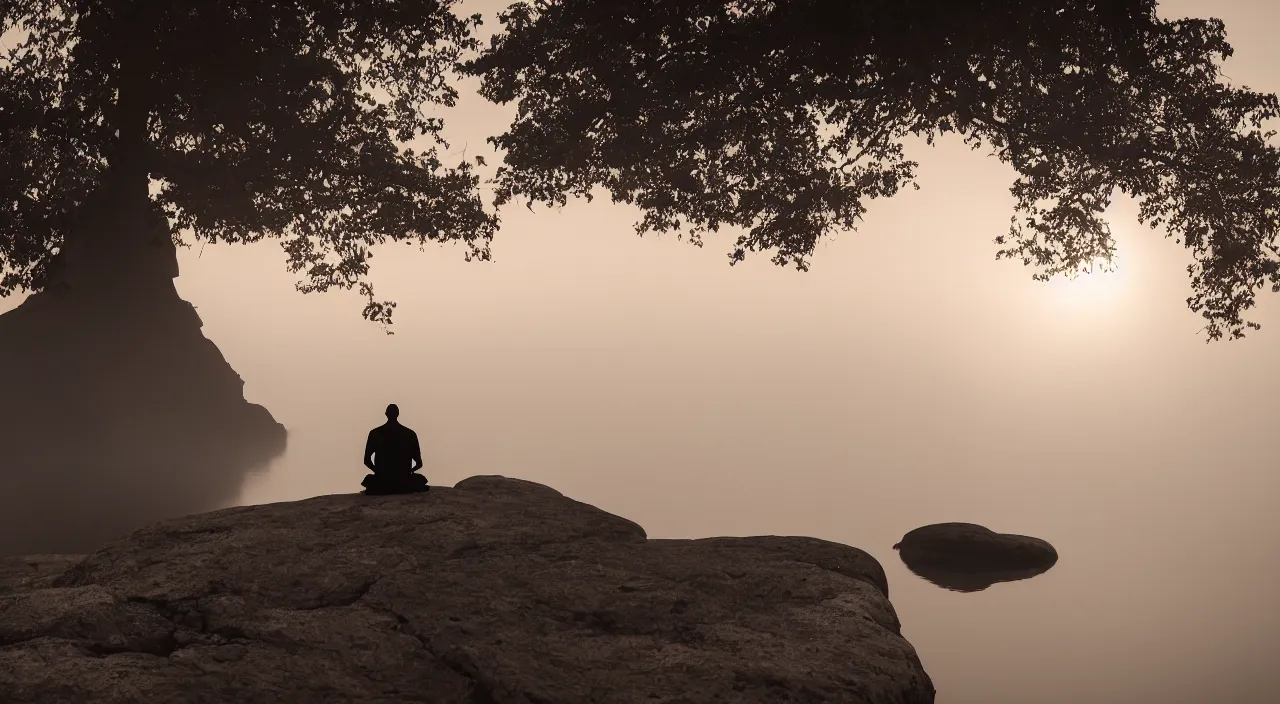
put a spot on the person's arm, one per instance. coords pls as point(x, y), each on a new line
point(416, 453)
point(368, 451)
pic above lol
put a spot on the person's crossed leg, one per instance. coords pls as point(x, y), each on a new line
point(393, 455)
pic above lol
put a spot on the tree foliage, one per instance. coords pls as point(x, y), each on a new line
point(257, 119)
point(785, 118)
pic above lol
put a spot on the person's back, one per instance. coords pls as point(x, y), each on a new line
point(393, 453)
point(394, 448)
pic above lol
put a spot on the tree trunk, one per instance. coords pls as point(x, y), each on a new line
point(119, 242)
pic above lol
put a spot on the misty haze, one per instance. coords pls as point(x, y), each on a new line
point(907, 378)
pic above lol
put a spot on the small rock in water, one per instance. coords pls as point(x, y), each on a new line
point(967, 557)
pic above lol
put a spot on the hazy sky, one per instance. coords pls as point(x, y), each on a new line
point(908, 378)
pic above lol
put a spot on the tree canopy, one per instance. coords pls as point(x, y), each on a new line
point(784, 118)
point(289, 120)
point(257, 119)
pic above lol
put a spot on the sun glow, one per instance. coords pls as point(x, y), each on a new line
point(1090, 290)
point(1094, 270)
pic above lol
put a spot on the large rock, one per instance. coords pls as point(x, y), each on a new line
point(497, 591)
point(967, 557)
point(30, 572)
point(117, 410)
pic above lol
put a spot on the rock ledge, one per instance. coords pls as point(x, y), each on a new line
point(496, 591)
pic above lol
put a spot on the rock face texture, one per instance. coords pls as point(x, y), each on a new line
point(118, 411)
point(496, 591)
point(967, 557)
point(30, 572)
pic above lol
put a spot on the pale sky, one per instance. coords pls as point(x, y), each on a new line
point(908, 378)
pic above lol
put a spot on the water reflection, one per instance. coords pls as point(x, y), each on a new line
point(962, 580)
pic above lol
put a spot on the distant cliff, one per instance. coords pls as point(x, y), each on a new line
point(496, 591)
point(115, 410)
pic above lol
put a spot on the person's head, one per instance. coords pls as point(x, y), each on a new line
point(393, 411)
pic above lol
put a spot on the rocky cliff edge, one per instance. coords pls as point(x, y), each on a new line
point(495, 591)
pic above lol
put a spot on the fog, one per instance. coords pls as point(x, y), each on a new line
point(908, 378)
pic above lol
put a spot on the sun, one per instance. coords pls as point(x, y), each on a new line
point(1095, 284)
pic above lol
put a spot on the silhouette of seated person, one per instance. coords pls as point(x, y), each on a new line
point(393, 454)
